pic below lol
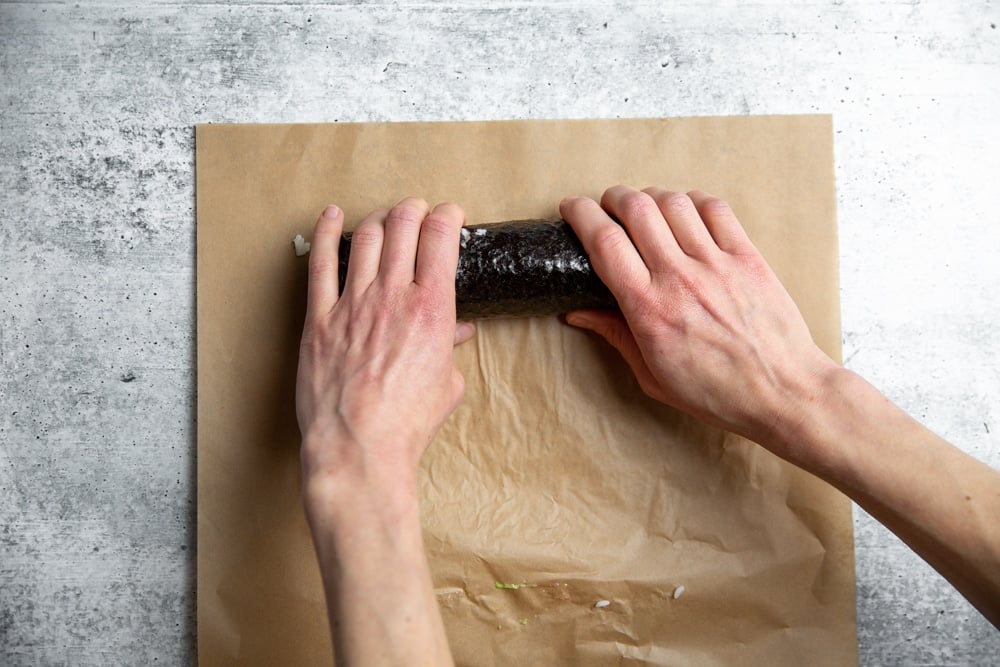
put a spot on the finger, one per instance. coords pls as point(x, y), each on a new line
point(366, 252)
point(464, 331)
point(613, 327)
point(611, 253)
point(402, 230)
point(645, 224)
point(437, 251)
point(323, 263)
point(721, 222)
point(458, 388)
point(685, 222)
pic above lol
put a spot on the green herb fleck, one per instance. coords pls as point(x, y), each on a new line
point(524, 621)
point(511, 587)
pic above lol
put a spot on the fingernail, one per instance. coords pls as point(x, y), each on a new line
point(578, 321)
point(331, 211)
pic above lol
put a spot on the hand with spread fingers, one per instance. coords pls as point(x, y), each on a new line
point(705, 324)
point(376, 381)
point(376, 375)
point(707, 327)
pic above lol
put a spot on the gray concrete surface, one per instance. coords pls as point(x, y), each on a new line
point(97, 108)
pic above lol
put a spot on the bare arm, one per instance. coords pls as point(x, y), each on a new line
point(376, 381)
point(707, 327)
point(943, 503)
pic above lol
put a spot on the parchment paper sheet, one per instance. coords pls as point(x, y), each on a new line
point(556, 472)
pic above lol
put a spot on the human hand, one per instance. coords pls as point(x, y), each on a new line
point(705, 324)
point(376, 378)
point(707, 327)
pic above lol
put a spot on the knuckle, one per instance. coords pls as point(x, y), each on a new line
point(321, 268)
point(408, 212)
point(714, 206)
point(368, 234)
point(755, 267)
point(676, 201)
point(609, 240)
point(439, 224)
point(686, 283)
point(638, 205)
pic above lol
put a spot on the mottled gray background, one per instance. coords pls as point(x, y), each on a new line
point(97, 316)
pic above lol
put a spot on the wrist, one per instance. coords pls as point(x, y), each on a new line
point(356, 523)
point(803, 415)
point(823, 439)
point(343, 480)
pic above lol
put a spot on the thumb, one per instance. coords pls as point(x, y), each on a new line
point(463, 332)
point(613, 327)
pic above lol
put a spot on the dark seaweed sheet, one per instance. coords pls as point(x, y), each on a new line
point(521, 268)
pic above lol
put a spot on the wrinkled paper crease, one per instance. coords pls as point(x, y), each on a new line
point(556, 474)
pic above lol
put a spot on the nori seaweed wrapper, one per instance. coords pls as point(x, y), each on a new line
point(523, 268)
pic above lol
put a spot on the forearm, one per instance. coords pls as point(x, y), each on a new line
point(944, 504)
point(707, 327)
point(378, 587)
point(376, 381)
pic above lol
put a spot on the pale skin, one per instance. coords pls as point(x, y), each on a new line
point(705, 326)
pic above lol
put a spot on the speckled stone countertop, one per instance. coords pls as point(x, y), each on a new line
point(97, 317)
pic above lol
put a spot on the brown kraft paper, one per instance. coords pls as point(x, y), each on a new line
point(556, 474)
